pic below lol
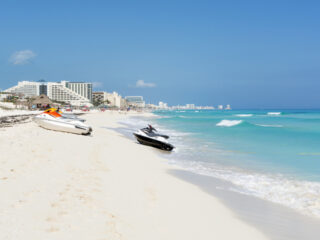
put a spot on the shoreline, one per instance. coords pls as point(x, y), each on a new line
point(65, 186)
point(260, 213)
point(159, 200)
point(276, 221)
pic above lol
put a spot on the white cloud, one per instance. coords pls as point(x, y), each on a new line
point(22, 57)
point(143, 84)
point(97, 84)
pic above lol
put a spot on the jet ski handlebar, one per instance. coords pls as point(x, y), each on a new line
point(164, 136)
point(151, 128)
point(150, 131)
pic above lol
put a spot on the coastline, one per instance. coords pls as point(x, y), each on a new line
point(65, 186)
point(275, 220)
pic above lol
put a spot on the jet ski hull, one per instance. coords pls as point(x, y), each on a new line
point(153, 142)
point(63, 126)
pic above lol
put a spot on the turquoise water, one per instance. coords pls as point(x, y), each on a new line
point(277, 141)
point(274, 155)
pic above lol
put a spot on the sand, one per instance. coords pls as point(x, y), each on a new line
point(56, 185)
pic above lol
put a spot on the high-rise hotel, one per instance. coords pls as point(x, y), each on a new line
point(74, 93)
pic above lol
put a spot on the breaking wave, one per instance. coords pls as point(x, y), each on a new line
point(244, 115)
point(228, 123)
point(274, 113)
point(267, 125)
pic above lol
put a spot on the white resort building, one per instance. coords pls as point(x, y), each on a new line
point(74, 93)
point(99, 97)
point(28, 89)
point(163, 105)
point(82, 88)
point(113, 99)
point(135, 101)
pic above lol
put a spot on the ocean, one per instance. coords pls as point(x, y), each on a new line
point(273, 155)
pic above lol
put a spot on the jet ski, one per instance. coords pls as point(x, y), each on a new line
point(53, 120)
point(65, 115)
point(149, 137)
point(72, 116)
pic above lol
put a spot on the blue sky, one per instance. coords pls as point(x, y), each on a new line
point(250, 54)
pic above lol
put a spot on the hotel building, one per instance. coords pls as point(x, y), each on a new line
point(135, 101)
point(28, 89)
point(74, 93)
point(99, 97)
point(113, 99)
point(82, 88)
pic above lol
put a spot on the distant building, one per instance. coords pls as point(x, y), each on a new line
point(61, 92)
point(163, 105)
point(190, 106)
point(152, 106)
point(74, 93)
point(135, 101)
point(112, 99)
point(228, 107)
point(26, 88)
point(220, 107)
point(43, 89)
point(99, 97)
point(116, 100)
point(82, 88)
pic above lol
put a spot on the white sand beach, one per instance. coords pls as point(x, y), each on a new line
point(63, 186)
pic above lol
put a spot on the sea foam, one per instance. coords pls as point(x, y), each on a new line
point(228, 123)
point(303, 196)
point(269, 125)
point(292, 184)
point(244, 115)
point(274, 113)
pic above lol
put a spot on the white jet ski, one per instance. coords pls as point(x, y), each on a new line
point(52, 120)
point(149, 137)
point(65, 115)
point(72, 116)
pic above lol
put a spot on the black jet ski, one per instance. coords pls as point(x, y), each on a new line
point(149, 137)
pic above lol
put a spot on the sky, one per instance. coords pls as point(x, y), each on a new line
point(250, 54)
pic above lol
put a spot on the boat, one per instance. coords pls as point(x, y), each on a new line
point(53, 120)
point(149, 136)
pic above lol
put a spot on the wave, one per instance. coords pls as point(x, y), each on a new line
point(228, 123)
point(274, 113)
point(267, 125)
point(303, 196)
point(244, 115)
